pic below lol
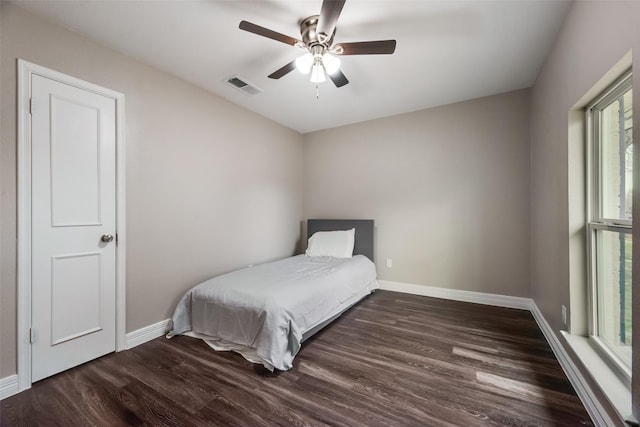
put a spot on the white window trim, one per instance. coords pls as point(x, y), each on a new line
point(595, 221)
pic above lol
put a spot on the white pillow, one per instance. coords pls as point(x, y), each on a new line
point(337, 244)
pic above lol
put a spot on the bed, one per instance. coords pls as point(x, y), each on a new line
point(267, 311)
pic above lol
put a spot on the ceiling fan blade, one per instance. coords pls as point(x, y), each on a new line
point(265, 32)
point(378, 47)
point(283, 71)
point(338, 78)
point(329, 14)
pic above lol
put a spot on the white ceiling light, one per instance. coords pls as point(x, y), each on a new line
point(304, 63)
point(317, 72)
point(318, 62)
point(331, 63)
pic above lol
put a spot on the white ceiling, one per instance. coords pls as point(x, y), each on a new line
point(447, 51)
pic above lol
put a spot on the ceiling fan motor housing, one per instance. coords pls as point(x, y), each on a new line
point(310, 36)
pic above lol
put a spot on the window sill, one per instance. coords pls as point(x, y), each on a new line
point(611, 385)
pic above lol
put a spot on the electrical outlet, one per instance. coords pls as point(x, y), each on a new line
point(389, 263)
point(564, 315)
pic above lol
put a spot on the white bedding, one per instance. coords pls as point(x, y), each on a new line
point(263, 311)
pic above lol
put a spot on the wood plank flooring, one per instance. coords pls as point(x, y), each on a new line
point(394, 359)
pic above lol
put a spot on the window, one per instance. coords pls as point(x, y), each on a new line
point(610, 226)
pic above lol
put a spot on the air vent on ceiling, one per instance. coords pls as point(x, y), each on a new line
point(243, 85)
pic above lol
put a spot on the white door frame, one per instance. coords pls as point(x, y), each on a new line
point(25, 71)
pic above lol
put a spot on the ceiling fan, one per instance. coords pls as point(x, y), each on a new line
point(317, 33)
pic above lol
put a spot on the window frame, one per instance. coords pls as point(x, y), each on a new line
point(596, 220)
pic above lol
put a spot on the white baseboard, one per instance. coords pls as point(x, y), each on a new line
point(457, 295)
point(594, 407)
point(9, 386)
point(145, 334)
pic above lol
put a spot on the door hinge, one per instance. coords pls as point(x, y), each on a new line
point(32, 335)
point(30, 105)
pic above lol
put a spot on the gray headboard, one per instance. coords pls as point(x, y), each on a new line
point(364, 232)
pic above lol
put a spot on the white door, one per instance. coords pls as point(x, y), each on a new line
point(73, 208)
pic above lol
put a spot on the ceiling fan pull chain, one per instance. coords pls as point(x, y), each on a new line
point(317, 92)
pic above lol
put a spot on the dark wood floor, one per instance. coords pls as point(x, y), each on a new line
point(394, 359)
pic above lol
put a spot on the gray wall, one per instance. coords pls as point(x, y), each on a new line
point(473, 196)
point(595, 37)
point(206, 193)
point(448, 188)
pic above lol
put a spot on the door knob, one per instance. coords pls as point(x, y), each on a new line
point(107, 238)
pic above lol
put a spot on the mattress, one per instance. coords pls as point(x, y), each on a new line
point(262, 312)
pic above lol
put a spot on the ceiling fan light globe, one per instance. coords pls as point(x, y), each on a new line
point(304, 63)
point(331, 63)
point(317, 74)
